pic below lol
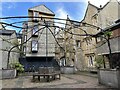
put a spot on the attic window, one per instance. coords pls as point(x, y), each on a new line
point(36, 14)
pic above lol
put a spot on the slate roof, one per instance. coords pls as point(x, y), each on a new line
point(111, 28)
point(6, 32)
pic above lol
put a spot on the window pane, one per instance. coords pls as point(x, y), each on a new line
point(91, 61)
point(24, 50)
point(36, 14)
point(34, 46)
point(35, 29)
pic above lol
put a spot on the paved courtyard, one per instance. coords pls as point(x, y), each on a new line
point(67, 81)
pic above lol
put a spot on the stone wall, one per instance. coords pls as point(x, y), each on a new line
point(5, 46)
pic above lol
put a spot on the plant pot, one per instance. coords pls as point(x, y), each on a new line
point(68, 70)
point(109, 77)
point(8, 73)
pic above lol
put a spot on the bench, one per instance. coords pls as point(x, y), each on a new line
point(47, 73)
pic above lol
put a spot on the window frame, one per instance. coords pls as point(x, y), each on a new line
point(91, 60)
point(36, 47)
point(35, 14)
point(24, 50)
point(35, 29)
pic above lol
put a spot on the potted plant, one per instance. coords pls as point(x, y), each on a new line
point(19, 67)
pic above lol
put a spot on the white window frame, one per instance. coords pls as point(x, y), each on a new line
point(36, 14)
point(35, 29)
point(34, 46)
point(90, 61)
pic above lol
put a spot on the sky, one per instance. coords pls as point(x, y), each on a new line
point(60, 9)
point(74, 9)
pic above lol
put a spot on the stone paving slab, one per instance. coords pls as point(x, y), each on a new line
point(67, 81)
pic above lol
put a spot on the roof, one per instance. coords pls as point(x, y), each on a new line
point(42, 9)
point(99, 8)
point(89, 4)
point(6, 32)
point(19, 35)
point(93, 5)
point(111, 28)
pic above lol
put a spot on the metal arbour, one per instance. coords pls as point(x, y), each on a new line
point(56, 23)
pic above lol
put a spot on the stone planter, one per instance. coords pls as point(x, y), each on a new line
point(68, 70)
point(109, 77)
point(7, 73)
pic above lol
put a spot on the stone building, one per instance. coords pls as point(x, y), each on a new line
point(105, 16)
point(72, 44)
point(106, 19)
point(8, 39)
point(60, 48)
point(98, 18)
point(84, 47)
point(68, 43)
point(79, 51)
point(39, 50)
point(64, 51)
point(104, 50)
point(88, 43)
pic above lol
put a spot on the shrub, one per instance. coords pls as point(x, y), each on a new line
point(99, 61)
point(19, 67)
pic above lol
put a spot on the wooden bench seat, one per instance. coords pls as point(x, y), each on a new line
point(47, 73)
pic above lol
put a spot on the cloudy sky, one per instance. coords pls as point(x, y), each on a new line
point(74, 8)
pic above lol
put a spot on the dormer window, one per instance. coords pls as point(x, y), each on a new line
point(35, 30)
point(34, 46)
point(36, 14)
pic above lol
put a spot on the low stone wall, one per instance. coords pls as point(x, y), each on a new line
point(109, 77)
point(68, 69)
point(7, 73)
